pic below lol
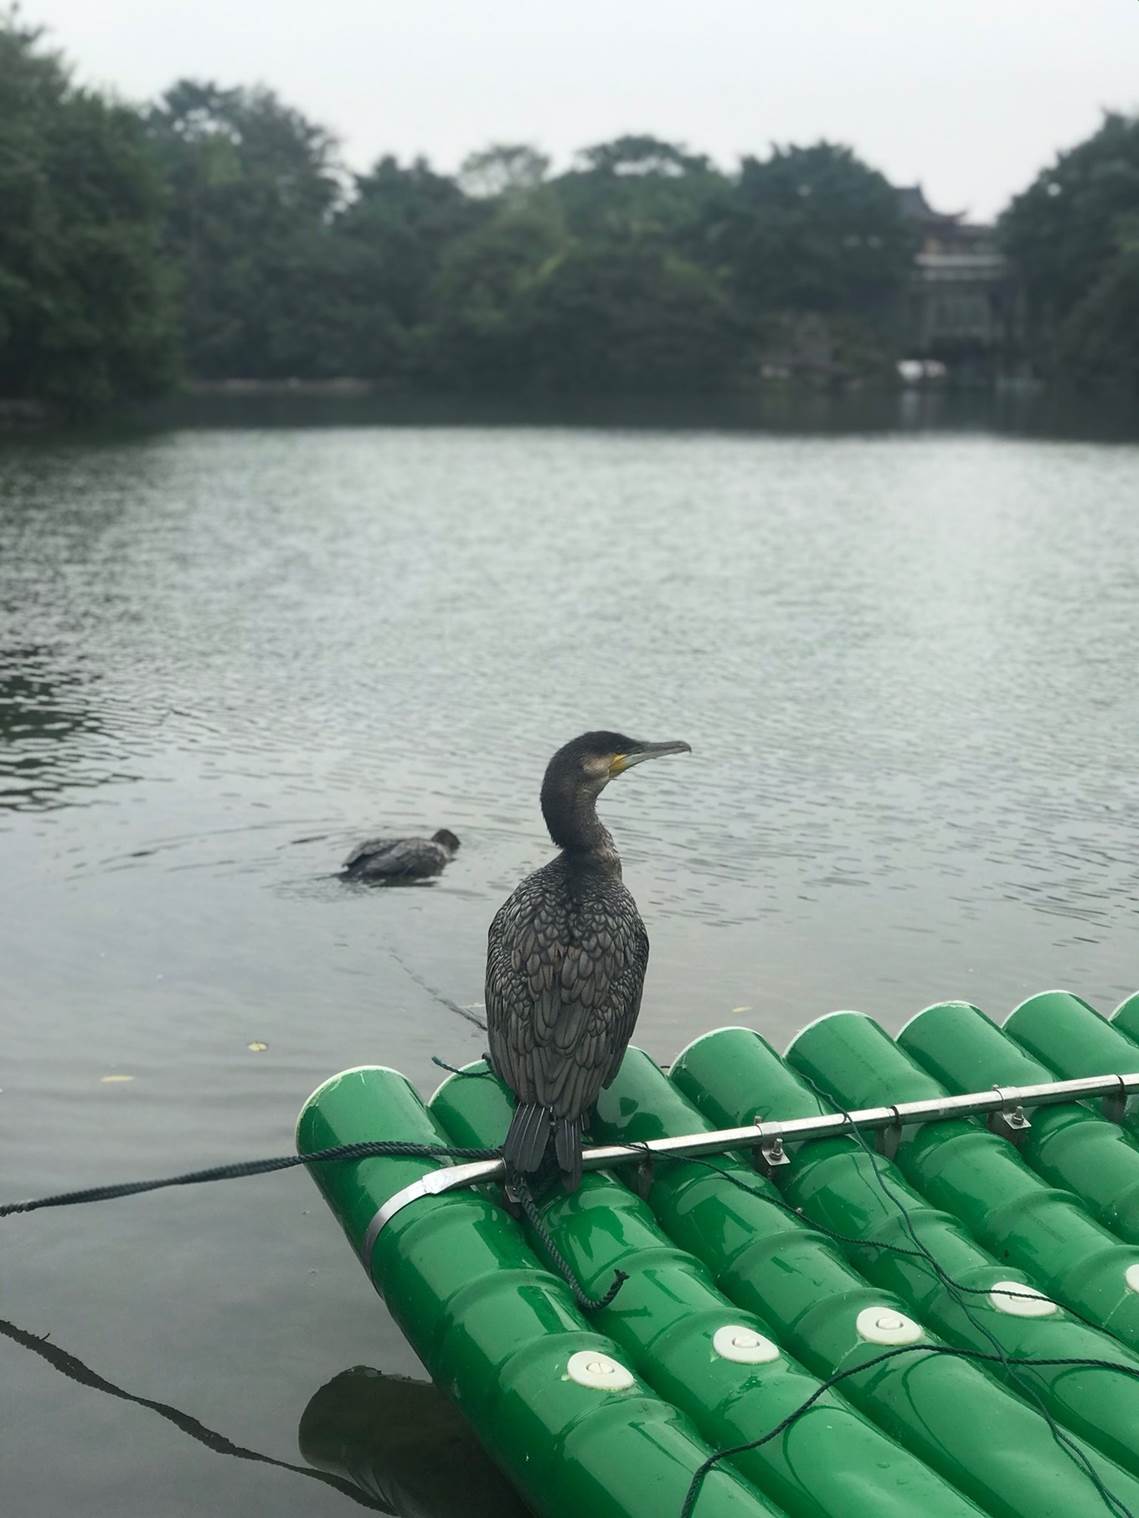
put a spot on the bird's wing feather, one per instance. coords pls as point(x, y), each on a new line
point(369, 846)
point(410, 856)
point(563, 990)
point(633, 985)
point(405, 856)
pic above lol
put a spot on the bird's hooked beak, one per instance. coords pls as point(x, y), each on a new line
point(622, 762)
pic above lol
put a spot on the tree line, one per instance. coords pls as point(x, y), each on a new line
point(216, 233)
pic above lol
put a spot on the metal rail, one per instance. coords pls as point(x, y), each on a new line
point(1004, 1103)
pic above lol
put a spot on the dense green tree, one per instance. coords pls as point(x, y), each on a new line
point(643, 156)
point(525, 303)
point(811, 229)
point(1098, 342)
point(221, 221)
point(811, 246)
point(640, 187)
point(253, 185)
point(391, 240)
point(502, 169)
point(85, 312)
point(483, 299)
point(630, 318)
point(1072, 237)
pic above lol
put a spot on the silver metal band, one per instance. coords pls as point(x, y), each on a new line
point(447, 1178)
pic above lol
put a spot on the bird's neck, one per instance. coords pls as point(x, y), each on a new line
point(575, 827)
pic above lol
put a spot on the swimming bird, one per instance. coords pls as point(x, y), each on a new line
point(395, 859)
point(566, 958)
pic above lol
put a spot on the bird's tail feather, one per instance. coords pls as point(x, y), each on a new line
point(527, 1137)
point(567, 1146)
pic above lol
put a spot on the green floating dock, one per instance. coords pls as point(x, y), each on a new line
point(748, 1288)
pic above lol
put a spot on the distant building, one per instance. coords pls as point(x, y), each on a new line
point(963, 304)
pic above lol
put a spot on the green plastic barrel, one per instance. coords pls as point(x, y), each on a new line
point(980, 1178)
point(1071, 1039)
point(845, 1187)
point(1069, 1145)
point(548, 1395)
point(978, 1436)
point(722, 1366)
point(1126, 1018)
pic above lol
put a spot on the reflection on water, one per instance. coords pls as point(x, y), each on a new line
point(390, 1444)
point(73, 1369)
point(49, 731)
point(404, 1445)
point(1012, 410)
point(904, 659)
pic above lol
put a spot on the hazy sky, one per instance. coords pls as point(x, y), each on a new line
point(970, 97)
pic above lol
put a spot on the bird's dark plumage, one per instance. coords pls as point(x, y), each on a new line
point(387, 860)
point(566, 958)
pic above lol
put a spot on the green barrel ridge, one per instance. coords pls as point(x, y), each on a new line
point(766, 1258)
point(500, 1334)
point(842, 1185)
point(723, 1367)
point(1069, 1145)
point(1070, 1038)
point(979, 1177)
point(1126, 1018)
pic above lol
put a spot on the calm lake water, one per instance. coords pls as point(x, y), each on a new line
point(907, 665)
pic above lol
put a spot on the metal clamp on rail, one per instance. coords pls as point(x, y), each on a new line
point(643, 1176)
point(888, 1139)
point(1117, 1103)
point(1010, 1119)
point(769, 1154)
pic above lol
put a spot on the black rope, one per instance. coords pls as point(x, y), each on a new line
point(362, 1151)
point(556, 1258)
point(370, 1149)
point(479, 1075)
point(854, 1370)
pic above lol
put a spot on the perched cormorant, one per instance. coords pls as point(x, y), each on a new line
point(395, 859)
point(566, 957)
